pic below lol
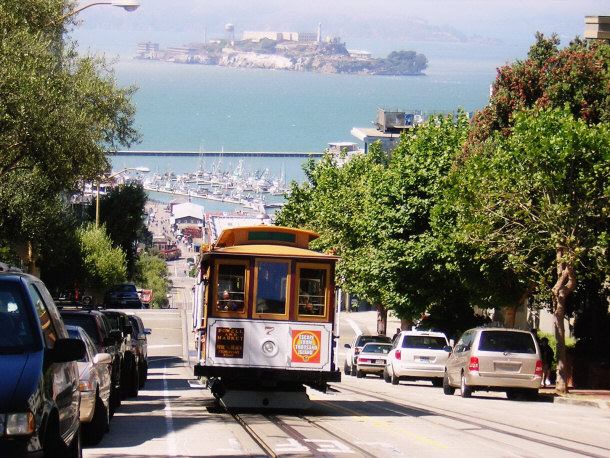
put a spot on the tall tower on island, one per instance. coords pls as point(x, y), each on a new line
point(230, 33)
point(319, 32)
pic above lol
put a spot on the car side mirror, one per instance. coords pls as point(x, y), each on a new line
point(66, 350)
point(448, 348)
point(348, 346)
point(147, 331)
point(102, 358)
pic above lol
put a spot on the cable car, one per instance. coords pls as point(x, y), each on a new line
point(265, 317)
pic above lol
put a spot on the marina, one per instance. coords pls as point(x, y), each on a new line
point(256, 191)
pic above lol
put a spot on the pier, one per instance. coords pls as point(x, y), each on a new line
point(219, 153)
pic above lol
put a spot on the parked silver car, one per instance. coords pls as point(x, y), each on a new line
point(372, 359)
point(94, 377)
point(494, 359)
point(418, 355)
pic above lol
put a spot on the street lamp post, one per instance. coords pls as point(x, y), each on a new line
point(97, 199)
point(127, 5)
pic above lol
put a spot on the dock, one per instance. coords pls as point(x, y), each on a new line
point(219, 153)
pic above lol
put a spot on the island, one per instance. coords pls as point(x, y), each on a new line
point(287, 51)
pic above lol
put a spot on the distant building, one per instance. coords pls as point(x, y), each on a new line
point(344, 151)
point(186, 214)
point(389, 126)
point(597, 27)
point(147, 50)
point(359, 54)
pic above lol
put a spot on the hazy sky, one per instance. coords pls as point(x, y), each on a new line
point(378, 26)
point(512, 21)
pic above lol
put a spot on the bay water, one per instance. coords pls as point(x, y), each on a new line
point(212, 109)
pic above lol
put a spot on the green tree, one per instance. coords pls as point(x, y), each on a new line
point(151, 273)
point(577, 76)
point(375, 211)
point(539, 200)
point(122, 213)
point(60, 114)
point(104, 264)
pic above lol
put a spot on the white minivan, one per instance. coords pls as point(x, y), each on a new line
point(417, 355)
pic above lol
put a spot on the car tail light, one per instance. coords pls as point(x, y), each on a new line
point(364, 360)
point(474, 364)
point(356, 351)
point(397, 353)
point(539, 368)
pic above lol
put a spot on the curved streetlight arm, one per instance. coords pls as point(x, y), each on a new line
point(127, 5)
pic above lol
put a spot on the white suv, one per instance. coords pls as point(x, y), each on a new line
point(418, 355)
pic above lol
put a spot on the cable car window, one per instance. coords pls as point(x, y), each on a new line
point(312, 291)
point(230, 289)
point(271, 281)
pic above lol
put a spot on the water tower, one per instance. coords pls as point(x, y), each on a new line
point(230, 33)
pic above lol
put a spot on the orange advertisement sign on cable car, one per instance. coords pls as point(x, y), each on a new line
point(306, 346)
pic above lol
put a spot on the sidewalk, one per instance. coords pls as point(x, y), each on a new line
point(367, 322)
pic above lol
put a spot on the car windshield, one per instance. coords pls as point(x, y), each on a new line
point(16, 329)
point(87, 322)
point(124, 289)
point(366, 339)
point(507, 341)
point(113, 320)
point(377, 348)
point(429, 342)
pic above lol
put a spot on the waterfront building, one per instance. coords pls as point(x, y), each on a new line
point(388, 127)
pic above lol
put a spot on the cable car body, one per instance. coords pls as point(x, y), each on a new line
point(266, 318)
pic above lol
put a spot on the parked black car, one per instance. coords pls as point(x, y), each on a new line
point(140, 343)
point(123, 295)
point(130, 379)
point(105, 339)
point(39, 392)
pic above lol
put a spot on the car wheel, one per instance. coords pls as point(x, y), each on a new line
point(75, 450)
point(386, 375)
point(447, 389)
point(115, 400)
point(143, 373)
point(95, 430)
point(352, 371)
point(394, 379)
point(464, 388)
point(52, 443)
point(346, 369)
point(359, 374)
point(134, 381)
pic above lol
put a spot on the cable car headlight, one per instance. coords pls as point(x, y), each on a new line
point(269, 348)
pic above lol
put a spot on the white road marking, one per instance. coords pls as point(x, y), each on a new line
point(172, 449)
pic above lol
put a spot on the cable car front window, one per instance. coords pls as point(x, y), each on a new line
point(230, 289)
point(272, 278)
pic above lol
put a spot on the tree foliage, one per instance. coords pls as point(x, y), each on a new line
point(60, 114)
point(121, 211)
point(539, 200)
point(576, 76)
point(104, 264)
point(375, 212)
point(151, 273)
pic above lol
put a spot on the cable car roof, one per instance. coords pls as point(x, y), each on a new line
point(274, 235)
